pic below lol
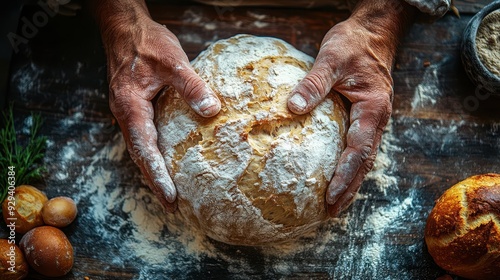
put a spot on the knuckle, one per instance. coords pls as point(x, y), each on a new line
point(316, 85)
point(138, 151)
point(119, 105)
point(134, 154)
point(135, 146)
point(192, 89)
point(142, 139)
point(361, 143)
point(385, 100)
point(382, 104)
point(369, 163)
point(384, 112)
point(365, 151)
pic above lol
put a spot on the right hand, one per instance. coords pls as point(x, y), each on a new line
point(356, 65)
point(355, 59)
point(143, 58)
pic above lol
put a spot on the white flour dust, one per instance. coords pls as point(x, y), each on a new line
point(126, 217)
point(377, 219)
point(27, 79)
point(371, 252)
point(429, 90)
point(377, 224)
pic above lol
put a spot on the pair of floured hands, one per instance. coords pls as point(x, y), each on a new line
point(355, 59)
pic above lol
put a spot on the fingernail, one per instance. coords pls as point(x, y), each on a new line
point(333, 194)
point(170, 194)
point(297, 102)
point(442, 9)
point(209, 106)
point(165, 186)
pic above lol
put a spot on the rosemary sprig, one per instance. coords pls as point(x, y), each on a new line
point(25, 160)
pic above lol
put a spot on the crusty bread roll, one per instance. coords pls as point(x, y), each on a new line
point(256, 173)
point(463, 229)
point(13, 265)
point(25, 209)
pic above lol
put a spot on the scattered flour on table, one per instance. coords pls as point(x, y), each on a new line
point(377, 252)
point(429, 90)
point(371, 251)
point(377, 224)
point(27, 78)
point(131, 223)
point(27, 124)
point(112, 196)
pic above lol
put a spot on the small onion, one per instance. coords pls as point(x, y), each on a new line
point(48, 251)
point(59, 211)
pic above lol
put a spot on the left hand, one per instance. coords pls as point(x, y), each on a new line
point(355, 59)
point(143, 58)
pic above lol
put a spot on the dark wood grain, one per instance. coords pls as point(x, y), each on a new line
point(439, 139)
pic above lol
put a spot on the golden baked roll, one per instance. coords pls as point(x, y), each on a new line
point(255, 173)
point(463, 229)
point(25, 210)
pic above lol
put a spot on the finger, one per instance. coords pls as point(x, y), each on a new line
point(135, 116)
point(367, 122)
point(342, 204)
point(195, 91)
point(348, 196)
point(359, 146)
point(312, 89)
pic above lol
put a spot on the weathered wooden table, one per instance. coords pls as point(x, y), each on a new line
point(442, 131)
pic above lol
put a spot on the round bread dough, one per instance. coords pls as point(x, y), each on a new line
point(256, 173)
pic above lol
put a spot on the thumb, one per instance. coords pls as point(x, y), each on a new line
point(311, 90)
point(196, 92)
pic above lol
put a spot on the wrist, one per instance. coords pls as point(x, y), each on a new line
point(116, 17)
point(385, 20)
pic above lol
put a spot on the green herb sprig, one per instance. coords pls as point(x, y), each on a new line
point(24, 159)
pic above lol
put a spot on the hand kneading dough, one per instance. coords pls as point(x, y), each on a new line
point(254, 174)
